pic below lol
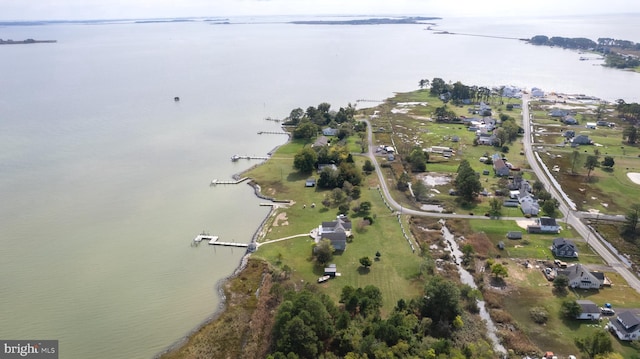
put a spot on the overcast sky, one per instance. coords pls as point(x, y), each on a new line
point(119, 9)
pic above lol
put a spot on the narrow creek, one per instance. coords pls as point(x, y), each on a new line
point(467, 278)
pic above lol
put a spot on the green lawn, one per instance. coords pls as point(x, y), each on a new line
point(558, 334)
point(394, 274)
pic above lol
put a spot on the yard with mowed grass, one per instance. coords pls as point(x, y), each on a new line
point(530, 289)
point(395, 273)
point(532, 245)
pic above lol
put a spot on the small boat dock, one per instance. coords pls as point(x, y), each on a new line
point(205, 237)
point(213, 240)
point(239, 157)
point(215, 181)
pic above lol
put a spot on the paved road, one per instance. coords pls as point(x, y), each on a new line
point(566, 206)
point(572, 216)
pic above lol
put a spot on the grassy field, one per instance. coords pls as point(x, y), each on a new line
point(532, 246)
point(530, 289)
point(605, 190)
point(394, 273)
point(410, 126)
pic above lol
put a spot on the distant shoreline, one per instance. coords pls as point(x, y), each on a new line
point(26, 42)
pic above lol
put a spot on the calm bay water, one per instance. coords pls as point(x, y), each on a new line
point(104, 178)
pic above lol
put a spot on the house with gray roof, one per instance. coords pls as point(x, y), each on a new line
point(626, 326)
point(581, 277)
point(529, 205)
point(565, 248)
point(330, 131)
point(590, 310)
point(558, 113)
point(500, 168)
point(569, 120)
point(336, 232)
point(581, 140)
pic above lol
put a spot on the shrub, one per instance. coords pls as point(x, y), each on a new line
point(539, 315)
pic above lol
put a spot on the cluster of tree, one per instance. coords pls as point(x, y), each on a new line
point(321, 115)
point(418, 159)
point(604, 45)
point(508, 131)
point(564, 42)
point(308, 325)
point(622, 44)
point(632, 219)
point(630, 133)
point(620, 61)
point(458, 91)
point(467, 182)
point(308, 123)
point(342, 198)
point(549, 204)
point(308, 159)
point(629, 111)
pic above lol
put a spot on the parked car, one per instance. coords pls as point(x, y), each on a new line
point(607, 311)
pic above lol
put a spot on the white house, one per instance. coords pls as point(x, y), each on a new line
point(626, 326)
point(590, 310)
point(580, 277)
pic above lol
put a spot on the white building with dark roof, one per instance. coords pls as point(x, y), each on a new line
point(626, 326)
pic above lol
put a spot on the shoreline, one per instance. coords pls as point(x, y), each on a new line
point(219, 285)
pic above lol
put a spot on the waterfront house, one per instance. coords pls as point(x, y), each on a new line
point(589, 310)
point(563, 247)
point(626, 326)
point(336, 232)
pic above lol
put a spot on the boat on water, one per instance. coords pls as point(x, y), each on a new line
point(235, 158)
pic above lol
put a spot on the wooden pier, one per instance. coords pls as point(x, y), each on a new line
point(229, 244)
point(239, 157)
point(217, 182)
point(213, 240)
point(272, 133)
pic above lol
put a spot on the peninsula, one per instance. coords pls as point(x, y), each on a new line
point(444, 221)
point(25, 42)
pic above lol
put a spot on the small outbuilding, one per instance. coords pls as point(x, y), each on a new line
point(514, 235)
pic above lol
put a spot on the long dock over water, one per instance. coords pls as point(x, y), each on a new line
point(272, 133)
point(213, 240)
point(239, 157)
point(215, 181)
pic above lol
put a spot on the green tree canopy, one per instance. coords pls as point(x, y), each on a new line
point(467, 182)
point(608, 162)
point(599, 342)
point(365, 262)
point(324, 251)
point(570, 309)
point(305, 130)
point(590, 164)
point(305, 160)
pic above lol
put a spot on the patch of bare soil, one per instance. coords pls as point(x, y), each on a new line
point(281, 220)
